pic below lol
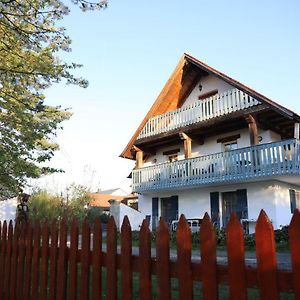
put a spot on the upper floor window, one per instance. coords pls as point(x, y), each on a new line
point(294, 200)
point(229, 142)
point(229, 146)
point(172, 155)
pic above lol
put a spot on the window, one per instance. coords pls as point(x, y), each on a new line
point(229, 142)
point(294, 200)
point(173, 157)
point(229, 146)
point(172, 154)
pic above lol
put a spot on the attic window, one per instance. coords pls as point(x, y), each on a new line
point(208, 94)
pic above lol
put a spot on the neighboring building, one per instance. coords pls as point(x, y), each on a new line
point(101, 198)
point(212, 144)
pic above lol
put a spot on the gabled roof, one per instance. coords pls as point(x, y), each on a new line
point(184, 77)
point(102, 200)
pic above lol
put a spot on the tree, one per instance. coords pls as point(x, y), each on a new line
point(30, 42)
point(45, 205)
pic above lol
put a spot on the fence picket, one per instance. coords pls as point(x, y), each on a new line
point(14, 259)
point(145, 261)
point(62, 261)
point(208, 259)
point(236, 259)
point(25, 255)
point(2, 257)
point(35, 261)
point(53, 260)
point(97, 260)
point(85, 257)
point(126, 267)
point(21, 262)
point(44, 260)
point(7, 270)
point(73, 261)
point(294, 234)
point(184, 246)
point(28, 260)
point(162, 265)
point(266, 258)
point(111, 257)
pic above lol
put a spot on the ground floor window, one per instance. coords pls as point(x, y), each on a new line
point(294, 200)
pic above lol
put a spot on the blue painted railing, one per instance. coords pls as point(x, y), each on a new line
point(201, 110)
point(265, 160)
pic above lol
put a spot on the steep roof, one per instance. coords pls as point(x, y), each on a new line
point(184, 77)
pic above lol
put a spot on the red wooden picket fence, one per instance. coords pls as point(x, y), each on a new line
point(38, 262)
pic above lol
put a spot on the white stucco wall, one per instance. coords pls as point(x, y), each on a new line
point(211, 146)
point(209, 83)
point(119, 210)
point(272, 196)
point(8, 209)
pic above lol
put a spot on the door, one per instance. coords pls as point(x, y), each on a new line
point(169, 209)
point(235, 201)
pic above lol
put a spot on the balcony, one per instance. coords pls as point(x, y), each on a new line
point(212, 107)
point(270, 160)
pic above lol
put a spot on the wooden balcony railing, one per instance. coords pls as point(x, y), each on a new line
point(266, 160)
point(212, 107)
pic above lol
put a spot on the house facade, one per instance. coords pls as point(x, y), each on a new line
point(211, 144)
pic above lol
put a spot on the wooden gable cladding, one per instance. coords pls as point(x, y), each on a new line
point(180, 84)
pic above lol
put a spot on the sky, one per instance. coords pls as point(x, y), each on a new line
point(128, 52)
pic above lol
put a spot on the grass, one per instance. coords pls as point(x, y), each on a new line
point(253, 294)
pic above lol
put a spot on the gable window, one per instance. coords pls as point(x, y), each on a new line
point(294, 200)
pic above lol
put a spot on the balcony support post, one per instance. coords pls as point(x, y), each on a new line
point(139, 156)
point(187, 142)
point(252, 125)
point(296, 130)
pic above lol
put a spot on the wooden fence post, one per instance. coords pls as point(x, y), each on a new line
point(162, 264)
point(73, 261)
point(7, 270)
point(21, 262)
point(126, 267)
point(62, 261)
point(294, 234)
point(97, 260)
point(28, 261)
point(14, 260)
point(145, 261)
point(36, 260)
point(266, 258)
point(111, 260)
point(236, 259)
point(2, 257)
point(184, 246)
point(44, 261)
point(208, 259)
point(53, 260)
point(85, 257)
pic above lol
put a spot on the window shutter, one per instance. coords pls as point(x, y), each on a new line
point(214, 208)
point(154, 213)
point(242, 204)
point(293, 200)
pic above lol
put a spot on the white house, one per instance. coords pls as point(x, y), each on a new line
point(211, 144)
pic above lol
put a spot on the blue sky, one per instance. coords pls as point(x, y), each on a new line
point(130, 49)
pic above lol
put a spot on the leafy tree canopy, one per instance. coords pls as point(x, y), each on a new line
point(30, 41)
